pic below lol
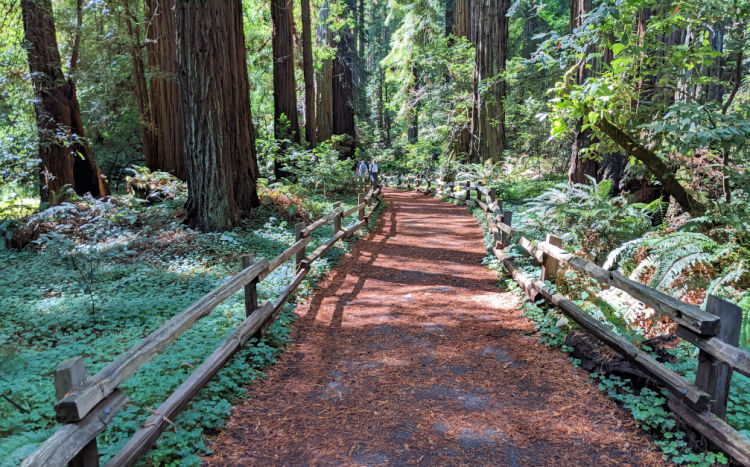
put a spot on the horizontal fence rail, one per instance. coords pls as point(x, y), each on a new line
point(715, 331)
point(87, 404)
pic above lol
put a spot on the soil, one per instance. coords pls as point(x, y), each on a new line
point(409, 353)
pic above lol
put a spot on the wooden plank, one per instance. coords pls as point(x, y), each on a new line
point(531, 249)
point(348, 232)
point(96, 388)
point(320, 222)
point(337, 217)
point(285, 256)
point(69, 374)
point(712, 375)
point(550, 264)
point(71, 438)
point(689, 316)
point(145, 437)
point(506, 235)
point(358, 207)
point(671, 380)
point(320, 251)
point(738, 359)
point(361, 210)
point(484, 190)
point(482, 205)
point(251, 288)
point(715, 429)
point(372, 210)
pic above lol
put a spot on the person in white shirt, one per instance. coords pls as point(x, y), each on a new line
point(374, 172)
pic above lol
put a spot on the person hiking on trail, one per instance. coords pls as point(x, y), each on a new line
point(362, 171)
point(374, 172)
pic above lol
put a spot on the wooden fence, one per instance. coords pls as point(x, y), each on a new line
point(87, 404)
point(700, 404)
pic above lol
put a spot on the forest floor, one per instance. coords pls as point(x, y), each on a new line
point(409, 353)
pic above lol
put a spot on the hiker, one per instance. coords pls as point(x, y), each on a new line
point(362, 171)
point(374, 172)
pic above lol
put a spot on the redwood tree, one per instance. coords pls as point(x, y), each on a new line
point(165, 123)
point(324, 79)
point(284, 85)
point(66, 159)
point(343, 86)
point(581, 166)
point(307, 69)
point(460, 17)
point(219, 142)
point(491, 40)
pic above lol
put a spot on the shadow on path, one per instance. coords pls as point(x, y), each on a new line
point(408, 353)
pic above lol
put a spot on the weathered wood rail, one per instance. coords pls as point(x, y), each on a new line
point(87, 404)
point(700, 404)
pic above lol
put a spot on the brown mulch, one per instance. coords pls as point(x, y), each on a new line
point(408, 353)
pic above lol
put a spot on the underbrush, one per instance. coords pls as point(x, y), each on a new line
point(683, 262)
point(101, 275)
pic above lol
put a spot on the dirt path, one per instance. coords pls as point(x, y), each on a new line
point(410, 354)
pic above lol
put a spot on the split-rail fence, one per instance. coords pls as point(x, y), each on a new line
point(86, 404)
point(715, 331)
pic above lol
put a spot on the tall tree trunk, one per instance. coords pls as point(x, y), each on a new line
point(76, 39)
point(343, 88)
point(450, 16)
point(307, 69)
point(139, 83)
point(581, 167)
point(219, 138)
point(66, 159)
point(167, 154)
point(324, 78)
point(361, 33)
point(387, 117)
point(284, 85)
point(412, 112)
point(488, 122)
point(461, 137)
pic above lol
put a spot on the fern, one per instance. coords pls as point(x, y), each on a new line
point(14, 449)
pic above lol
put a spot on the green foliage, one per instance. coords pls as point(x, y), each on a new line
point(585, 217)
point(142, 267)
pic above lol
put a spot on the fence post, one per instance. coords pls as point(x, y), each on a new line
point(68, 375)
point(428, 185)
point(712, 375)
point(408, 182)
point(361, 212)
point(251, 289)
point(336, 218)
point(504, 237)
point(297, 237)
point(550, 264)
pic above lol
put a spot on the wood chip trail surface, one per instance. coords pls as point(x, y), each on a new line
point(409, 353)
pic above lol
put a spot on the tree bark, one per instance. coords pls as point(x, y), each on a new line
point(488, 120)
point(412, 112)
point(461, 138)
point(167, 153)
point(324, 79)
point(343, 88)
point(66, 159)
point(76, 39)
point(307, 69)
point(139, 83)
point(219, 139)
point(284, 85)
